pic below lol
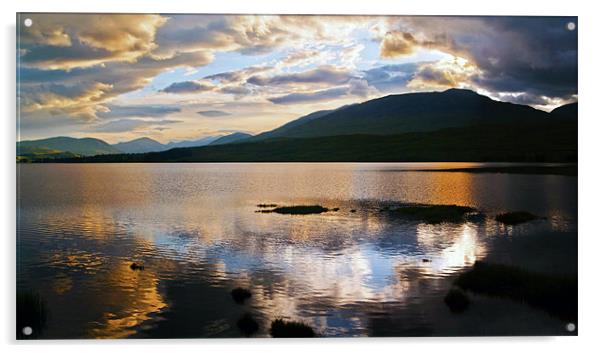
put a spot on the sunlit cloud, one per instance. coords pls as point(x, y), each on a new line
point(77, 71)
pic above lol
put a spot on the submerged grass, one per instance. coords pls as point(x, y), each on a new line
point(290, 329)
point(435, 213)
point(555, 294)
point(513, 218)
point(240, 295)
point(247, 324)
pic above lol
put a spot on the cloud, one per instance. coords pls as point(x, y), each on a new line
point(236, 90)
point(213, 113)
point(188, 87)
point(444, 74)
point(397, 43)
point(68, 41)
point(143, 111)
point(536, 55)
point(325, 74)
point(391, 78)
point(238, 76)
point(356, 87)
point(129, 125)
point(89, 89)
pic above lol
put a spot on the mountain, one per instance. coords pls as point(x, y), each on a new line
point(548, 141)
point(282, 130)
point(192, 143)
point(58, 146)
point(454, 125)
point(235, 137)
point(411, 112)
point(567, 111)
point(140, 145)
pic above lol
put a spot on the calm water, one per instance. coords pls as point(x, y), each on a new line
point(195, 228)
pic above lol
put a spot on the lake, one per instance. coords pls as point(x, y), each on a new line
point(352, 272)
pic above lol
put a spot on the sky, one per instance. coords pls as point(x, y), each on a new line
point(169, 77)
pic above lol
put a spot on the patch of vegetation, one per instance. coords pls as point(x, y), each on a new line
point(434, 214)
point(300, 210)
point(290, 329)
point(267, 205)
point(247, 324)
point(31, 312)
point(457, 301)
point(556, 294)
point(136, 267)
point(513, 218)
point(240, 295)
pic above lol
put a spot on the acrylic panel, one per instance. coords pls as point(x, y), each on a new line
point(238, 176)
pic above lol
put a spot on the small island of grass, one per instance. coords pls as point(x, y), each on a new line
point(556, 294)
point(298, 210)
point(434, 214)
point(240, 295)
point(267, 205)
point(513, 218)
point(290, 329)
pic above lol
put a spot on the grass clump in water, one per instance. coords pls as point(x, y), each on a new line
point(457, 300)
point(513, 218)
point(247, 324)
point(290, 329)
point(556, 294)
point(301, 210)
point(434, 214)
point(240, 295)
point(267, 205)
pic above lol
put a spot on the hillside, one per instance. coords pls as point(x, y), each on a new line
point(56, 146)
point(549, 142)
point(141, 145)
point(235, 137)
point(415, 112)
point(567, 111)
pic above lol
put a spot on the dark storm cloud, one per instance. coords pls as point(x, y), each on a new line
point(537, 55)
point(213, 113)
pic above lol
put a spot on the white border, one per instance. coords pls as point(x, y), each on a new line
point(590, 128)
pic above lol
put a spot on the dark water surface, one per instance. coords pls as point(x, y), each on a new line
point(195, 229)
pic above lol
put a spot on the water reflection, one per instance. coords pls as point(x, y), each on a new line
point(195, 229)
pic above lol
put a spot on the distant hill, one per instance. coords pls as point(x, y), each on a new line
point(568, 111)
point(65, 147)
point(411, 112)
point(56, 147)
point(140, 145)
point(550, 141)
point(235, 137)
point(192, 143)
